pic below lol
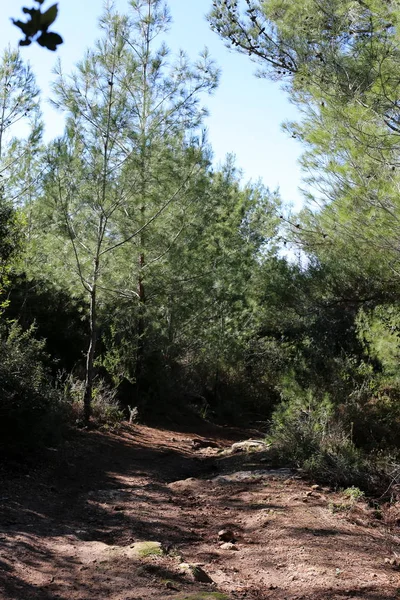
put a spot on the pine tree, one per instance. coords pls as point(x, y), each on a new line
point(126, 158)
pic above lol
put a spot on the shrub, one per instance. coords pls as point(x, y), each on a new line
point(299, 424)
point(305, 432)
point(31, 409)
point(106, 411)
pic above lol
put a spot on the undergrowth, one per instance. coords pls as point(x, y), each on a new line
point(306, 433)
point(35, 409)
point(106, 411)
point(32, 411)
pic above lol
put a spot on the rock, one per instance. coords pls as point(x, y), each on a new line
point(249, 446)
point(144, 549)
point(265, 523)
point(198, 443)
point(185, 567)
point(226, 535)
point(171, 585)
point(200, 575)
point(184, 484)
point(316, 487)
point(259, 474)
point(196, 572)
point(228, 546)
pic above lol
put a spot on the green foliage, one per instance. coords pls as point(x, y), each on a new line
point(36, 28)
point(199, 296)
point(300, 424)
point(18, 99)
point(31, 409)
point(10, 239)
point(57, 317)
point(307, 432)
point(120, 180)
point(354, 494)
point(339, 61)
point(379, 331)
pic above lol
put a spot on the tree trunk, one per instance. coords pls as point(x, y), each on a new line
point(88, 395)
point(140, 330)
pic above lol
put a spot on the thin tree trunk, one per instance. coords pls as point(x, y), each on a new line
point(88, 394)
point(141, 326)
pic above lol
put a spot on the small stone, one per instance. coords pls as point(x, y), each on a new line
point(226, 535)
point(171, 586)
point(198, 443)
point(228, 546)
point(249, 446)
point(197, 572)
point(316, 487)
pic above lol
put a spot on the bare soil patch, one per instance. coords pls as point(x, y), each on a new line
point(71, 527)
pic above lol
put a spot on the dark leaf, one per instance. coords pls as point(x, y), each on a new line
point(48, 17)
point(50, 40)
point(26, 28)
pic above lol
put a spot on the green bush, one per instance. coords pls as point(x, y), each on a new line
point(307, 433)
point(299, 424)
point(31, 409)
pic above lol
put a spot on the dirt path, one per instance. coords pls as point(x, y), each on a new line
point(70, 531)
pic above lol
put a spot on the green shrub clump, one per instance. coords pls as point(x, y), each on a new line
point(31, 408)
point(307, 433)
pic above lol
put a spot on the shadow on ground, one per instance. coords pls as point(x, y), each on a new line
point(104, 488)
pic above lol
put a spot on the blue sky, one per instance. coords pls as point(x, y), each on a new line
point(245, 112)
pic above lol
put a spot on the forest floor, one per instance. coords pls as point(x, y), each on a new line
point(70, 525)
